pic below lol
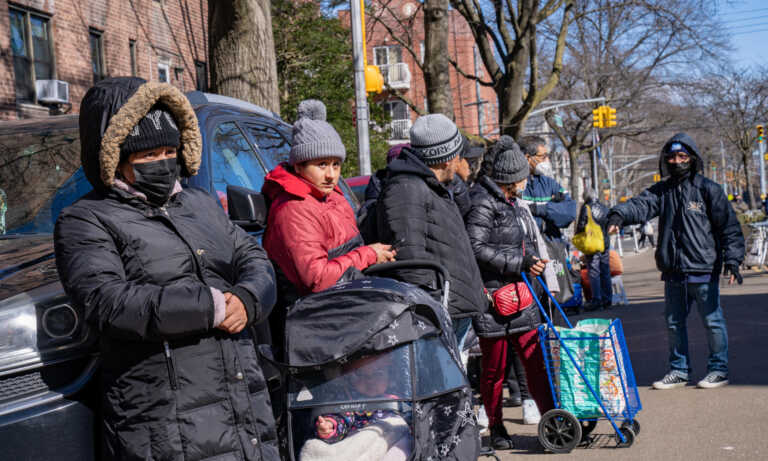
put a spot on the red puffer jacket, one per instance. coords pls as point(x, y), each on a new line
point(314, 239)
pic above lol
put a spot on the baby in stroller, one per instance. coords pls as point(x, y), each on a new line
point(377, 435)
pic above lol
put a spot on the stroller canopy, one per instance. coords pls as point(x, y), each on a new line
point(365, 315)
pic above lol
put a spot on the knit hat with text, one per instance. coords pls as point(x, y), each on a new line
point(435, 139)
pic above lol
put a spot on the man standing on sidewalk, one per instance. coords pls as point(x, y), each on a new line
point(698, 235)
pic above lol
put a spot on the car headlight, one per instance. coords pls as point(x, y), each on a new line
point(33, 328)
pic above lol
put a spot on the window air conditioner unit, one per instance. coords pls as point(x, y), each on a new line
point(52, 91)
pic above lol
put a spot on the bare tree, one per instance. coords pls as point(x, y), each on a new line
point(242, 51)
point(436, 59)
point(630, 53)
point(738, 101)
point(507, 36)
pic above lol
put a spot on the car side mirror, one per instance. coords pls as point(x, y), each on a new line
point(247, 208)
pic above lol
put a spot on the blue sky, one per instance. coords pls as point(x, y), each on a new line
point(747, 21)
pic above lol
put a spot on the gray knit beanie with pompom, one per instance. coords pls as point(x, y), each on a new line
point(313, 137)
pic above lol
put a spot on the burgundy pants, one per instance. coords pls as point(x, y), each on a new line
point(494, 362)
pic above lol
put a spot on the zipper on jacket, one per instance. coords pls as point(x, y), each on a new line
point(169, 363)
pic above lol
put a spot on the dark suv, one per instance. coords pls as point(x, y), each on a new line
point(48, 360)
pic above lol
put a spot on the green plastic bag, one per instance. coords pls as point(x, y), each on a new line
point(575, 396)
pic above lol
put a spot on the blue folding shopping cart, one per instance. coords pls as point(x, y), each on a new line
point(612, 397)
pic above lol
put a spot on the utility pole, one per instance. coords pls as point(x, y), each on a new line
point(722, 161)
point(361, 96)
point(761, 160)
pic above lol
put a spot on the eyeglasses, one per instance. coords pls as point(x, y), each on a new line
point(682, 156)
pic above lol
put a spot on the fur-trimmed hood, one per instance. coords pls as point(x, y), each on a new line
point(110, 110)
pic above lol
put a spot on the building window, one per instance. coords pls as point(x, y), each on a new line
point(401, 119)
point(97, 55)
point(31, 46)
point(178, 74)
point(132, 52)
point(393, 69)
point(423, 51)
point(163, 72)
point(201, 76)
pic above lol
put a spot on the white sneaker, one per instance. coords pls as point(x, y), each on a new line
point(714, 379)
point(482, 418)
point(531, 413)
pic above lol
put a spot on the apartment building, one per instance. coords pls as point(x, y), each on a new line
point(54, 50)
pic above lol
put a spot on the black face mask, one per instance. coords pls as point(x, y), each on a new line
point(679, 170)
point(156, 179)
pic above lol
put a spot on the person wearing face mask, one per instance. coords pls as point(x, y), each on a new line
point(506, 242)
point(417, 212)
point(550, 204)
point(698, 236)
point(312, 232)
point(170, 284)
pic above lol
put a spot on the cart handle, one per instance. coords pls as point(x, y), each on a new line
point(440, 271)
point(551, 297)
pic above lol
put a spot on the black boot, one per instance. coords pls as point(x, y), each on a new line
point(500, 439)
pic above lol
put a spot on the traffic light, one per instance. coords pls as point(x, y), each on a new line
point(597, 118)
point(656, 177)
point(610, 116)
point(760, 133)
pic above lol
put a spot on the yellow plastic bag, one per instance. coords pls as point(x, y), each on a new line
point(590, 241)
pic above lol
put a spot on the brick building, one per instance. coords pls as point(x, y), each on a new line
point(475, 106)
point(80, 42)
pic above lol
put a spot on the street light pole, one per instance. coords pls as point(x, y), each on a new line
point(361, 96)
point(762, 169)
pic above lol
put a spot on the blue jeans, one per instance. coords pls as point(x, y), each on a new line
point(600, 278)
point(679, 296)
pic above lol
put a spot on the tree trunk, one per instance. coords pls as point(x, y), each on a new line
point(242, 51)
point(436, 62)
point(749, 196)
point(575, 175)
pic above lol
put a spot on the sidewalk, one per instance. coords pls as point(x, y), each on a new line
point(681, 424)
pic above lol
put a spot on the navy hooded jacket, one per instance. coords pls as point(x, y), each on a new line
point(698, 230)
point(540, 191)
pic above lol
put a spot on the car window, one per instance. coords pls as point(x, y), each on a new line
point(274, 145)
point(233, 161)
point(37, 159)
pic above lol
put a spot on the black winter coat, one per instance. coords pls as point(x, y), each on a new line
point(599, 215)
point(460, 190)
point(417, 213)
point(173, 387)
point(501, 233)
point(698, 230)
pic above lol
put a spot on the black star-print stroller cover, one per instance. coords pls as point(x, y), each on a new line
point(374, 374)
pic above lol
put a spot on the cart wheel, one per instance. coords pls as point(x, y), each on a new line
point(628, 434)
point(635, 425)
point(559, 431)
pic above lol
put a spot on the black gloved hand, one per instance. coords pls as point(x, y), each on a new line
point(733, 269)
point(538, 210)
point(615, 219)
point(529, 261)
point(558, 197)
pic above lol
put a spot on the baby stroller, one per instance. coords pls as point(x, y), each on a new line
point(382, 352)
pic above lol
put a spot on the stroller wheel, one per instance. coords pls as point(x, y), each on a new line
point(635, 425)
point(629, 436)
point(559, 431)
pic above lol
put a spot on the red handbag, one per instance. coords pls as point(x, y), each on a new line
point(512, 298)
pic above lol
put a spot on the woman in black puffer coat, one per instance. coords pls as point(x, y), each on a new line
point(505, 242)
point(169, 282)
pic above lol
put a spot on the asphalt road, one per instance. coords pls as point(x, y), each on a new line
point(689, 423)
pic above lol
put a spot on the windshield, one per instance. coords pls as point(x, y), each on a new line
point(39, 173)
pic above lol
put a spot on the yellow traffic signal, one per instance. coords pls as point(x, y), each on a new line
point(374, 81)
point(597, 117)
point(656, 177)
point(760, 133)
point(610, 116)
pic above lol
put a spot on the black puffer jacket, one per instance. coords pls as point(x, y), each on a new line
point(460, 190)
point(599, 215)
point(698, 230)
point(500, 233)
point(416, 212)
point(173, 387)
